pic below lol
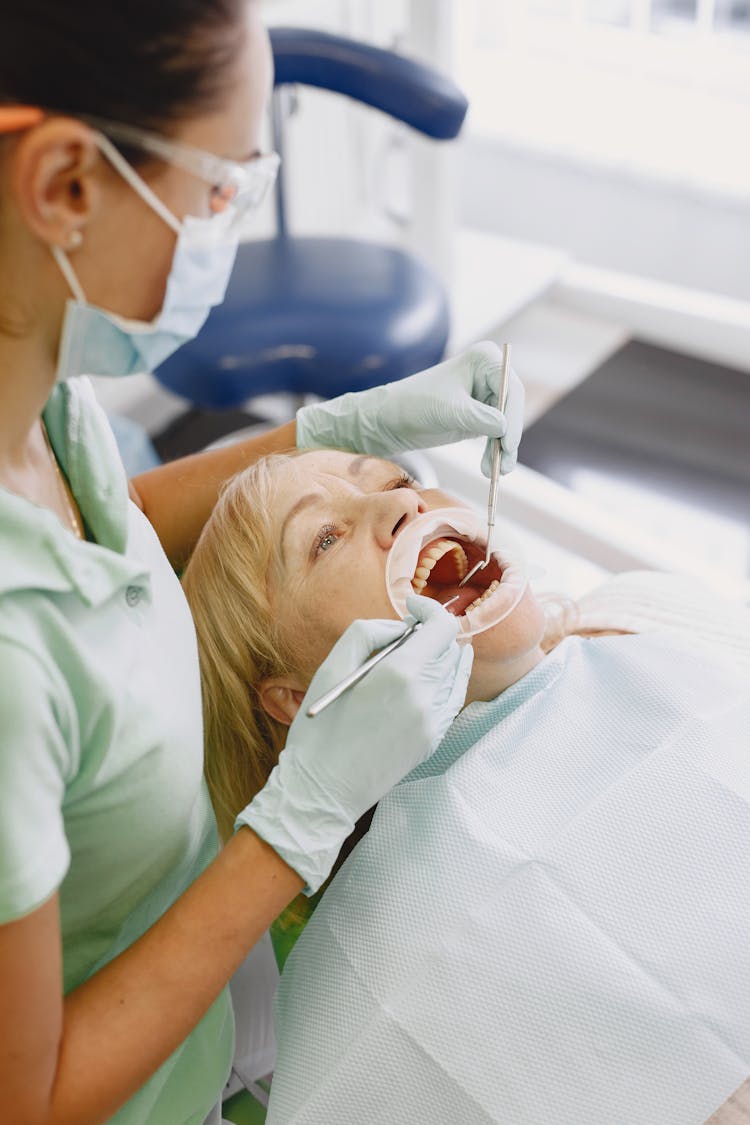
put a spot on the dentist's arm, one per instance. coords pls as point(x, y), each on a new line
point(454, 400)
point(179, 497)
point(75, 1061)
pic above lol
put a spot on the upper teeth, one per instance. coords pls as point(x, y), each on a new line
point(428, 558)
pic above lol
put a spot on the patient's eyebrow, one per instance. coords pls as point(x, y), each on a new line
point(354, 468)
point(303, 502)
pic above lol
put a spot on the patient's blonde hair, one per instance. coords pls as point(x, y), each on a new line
point(229, 584)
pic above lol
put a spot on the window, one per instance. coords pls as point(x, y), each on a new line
point(659, 87)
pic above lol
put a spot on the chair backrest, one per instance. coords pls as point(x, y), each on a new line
point(405, 89)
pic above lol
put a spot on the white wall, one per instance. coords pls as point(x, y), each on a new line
point(352, 171)
point(633, 225)
point(336, 152)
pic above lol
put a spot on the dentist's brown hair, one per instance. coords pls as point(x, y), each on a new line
point(141, 63)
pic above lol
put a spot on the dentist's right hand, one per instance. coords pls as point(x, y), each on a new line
point(336, 766)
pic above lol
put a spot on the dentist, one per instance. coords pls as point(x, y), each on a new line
point(129, 166)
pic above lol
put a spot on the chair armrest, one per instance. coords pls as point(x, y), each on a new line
point(403, 88)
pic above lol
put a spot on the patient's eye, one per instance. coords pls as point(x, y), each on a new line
point(404, 481)
point(326, 538)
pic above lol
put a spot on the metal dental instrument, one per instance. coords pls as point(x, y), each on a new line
point(495, 478)
point(359, 673)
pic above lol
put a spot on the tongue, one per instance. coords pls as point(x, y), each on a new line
point(466, 595)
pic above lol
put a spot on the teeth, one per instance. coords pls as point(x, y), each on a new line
point(478, 601)
point(430, 557)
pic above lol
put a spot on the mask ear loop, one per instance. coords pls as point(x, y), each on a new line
point(120, 164)
point(68, 273)
point(118, 161)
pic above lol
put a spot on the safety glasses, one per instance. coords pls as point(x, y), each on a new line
point(244, 185)
point(240, 185)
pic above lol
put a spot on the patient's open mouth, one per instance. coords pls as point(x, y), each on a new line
point(435, 551)
point(444, 562)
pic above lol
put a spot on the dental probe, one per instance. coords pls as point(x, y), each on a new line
point(359, 673)
point(495, 477)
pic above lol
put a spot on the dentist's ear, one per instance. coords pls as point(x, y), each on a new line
point(280, 697)
point(56, 175)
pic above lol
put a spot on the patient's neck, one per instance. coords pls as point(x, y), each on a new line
point(491, 676)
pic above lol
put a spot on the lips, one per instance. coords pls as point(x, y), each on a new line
point(433, 553)
point(444, 562)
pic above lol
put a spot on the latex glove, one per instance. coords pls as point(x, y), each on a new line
point(339, 764)
point(454, 400)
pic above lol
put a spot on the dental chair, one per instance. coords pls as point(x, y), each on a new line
point(322, 316)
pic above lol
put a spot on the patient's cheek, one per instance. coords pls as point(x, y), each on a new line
point(318, 613)
point(516, 635)
point(312, 639)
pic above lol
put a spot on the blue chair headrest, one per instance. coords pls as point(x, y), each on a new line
point(405, 89)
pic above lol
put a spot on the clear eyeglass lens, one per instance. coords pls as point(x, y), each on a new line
point(245, 191)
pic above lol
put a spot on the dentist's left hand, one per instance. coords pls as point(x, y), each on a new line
point(455, 399)
point(339, 764)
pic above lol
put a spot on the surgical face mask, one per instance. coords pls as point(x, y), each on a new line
point(97, 342)
point(437, 549)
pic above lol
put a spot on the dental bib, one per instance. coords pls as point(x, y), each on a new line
point(548, 921)
point(437, 549)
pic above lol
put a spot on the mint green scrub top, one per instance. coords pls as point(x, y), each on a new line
point(102, 795)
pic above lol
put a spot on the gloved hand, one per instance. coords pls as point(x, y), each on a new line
point(336, 766)
point(455, 399)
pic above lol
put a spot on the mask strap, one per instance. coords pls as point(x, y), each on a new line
point(118, 161)
point(68, 273)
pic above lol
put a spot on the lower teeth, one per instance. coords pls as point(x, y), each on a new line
point(478, 601)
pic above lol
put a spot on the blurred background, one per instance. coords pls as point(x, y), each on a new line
point(593, 209)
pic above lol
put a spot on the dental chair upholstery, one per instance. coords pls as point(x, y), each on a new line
point(323, 316)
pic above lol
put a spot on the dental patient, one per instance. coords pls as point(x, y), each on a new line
point(549, 919)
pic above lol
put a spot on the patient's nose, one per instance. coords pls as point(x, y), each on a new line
point(391, 511)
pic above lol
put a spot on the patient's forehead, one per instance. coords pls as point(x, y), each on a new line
point(317, 471)
point(337, 462)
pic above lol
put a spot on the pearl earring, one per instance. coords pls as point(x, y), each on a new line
point(75, 238)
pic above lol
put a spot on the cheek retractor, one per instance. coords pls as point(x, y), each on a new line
point(458, 537)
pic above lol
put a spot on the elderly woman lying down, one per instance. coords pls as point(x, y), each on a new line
point(549, 920)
